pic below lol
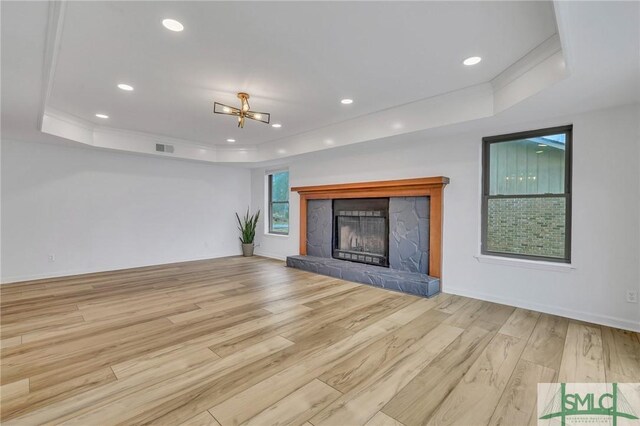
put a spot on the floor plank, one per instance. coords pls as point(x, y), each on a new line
point(518, 405)
point(474, 399)
point(363, 401)
point(520, 324)
point(583, 360)
point(298, 406)
point(621, 355)
point(381, 419)
point(250, 402)
point(61, 391)
point(14, 389)
point(203, 419)
point(371, 359)
point(416, 402)
point(546, 344)
point(10, 342)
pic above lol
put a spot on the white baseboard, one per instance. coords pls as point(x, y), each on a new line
point(72, 272)
point(270, 255)
point(553, 310)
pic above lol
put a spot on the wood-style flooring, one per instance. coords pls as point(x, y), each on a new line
point(248, 341)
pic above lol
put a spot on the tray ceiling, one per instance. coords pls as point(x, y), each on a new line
point(297, 60)
point(401, 62)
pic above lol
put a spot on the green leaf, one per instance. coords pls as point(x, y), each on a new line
point(247, 226)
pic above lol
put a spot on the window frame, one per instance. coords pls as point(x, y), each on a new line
point(270, 203)
point(486, 145)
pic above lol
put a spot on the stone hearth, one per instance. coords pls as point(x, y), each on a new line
point(391, 279)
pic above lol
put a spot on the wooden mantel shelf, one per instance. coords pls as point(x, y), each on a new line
point(375, 188)
point(432, 187)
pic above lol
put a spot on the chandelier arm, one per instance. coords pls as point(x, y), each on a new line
point(219, 108)
point(265, 116)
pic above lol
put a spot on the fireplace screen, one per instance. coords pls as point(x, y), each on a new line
point(361, 230)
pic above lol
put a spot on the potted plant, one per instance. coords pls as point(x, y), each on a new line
point(247, 227)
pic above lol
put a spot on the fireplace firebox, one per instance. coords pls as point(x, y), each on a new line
point(361, 230)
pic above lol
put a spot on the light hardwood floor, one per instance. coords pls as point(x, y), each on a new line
point(249, 341)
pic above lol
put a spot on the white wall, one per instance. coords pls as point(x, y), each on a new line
point(606, 214)
point(99, 210)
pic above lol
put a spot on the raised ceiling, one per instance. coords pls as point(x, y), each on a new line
point(400, 61)
point(297, 60)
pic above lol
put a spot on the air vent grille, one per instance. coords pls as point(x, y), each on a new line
point(164, 148)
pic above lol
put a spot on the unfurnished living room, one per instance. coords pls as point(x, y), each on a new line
point(320, 213)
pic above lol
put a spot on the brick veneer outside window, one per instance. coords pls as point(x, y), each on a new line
point(526, 208)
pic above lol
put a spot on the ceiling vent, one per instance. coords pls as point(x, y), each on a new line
point(160, 147)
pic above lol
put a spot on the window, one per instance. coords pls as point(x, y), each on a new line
point(278, 203)
point(526, 203)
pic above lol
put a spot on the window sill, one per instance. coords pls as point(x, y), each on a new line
point(523, 263)
point(269, 234)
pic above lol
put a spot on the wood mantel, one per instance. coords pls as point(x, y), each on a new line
point(432, 187)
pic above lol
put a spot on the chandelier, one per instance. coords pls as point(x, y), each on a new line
point(242, 112)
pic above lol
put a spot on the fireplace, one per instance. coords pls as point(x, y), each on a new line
point(318, 228)
point(386, 234)
point(361, 230)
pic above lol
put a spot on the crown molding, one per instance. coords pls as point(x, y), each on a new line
point(55, 24)
point(533, 58)
point(561, 15)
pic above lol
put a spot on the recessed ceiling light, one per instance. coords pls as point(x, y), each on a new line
point(126, 87)
point(102, 116)
point(173, 25)
point(346, 101)
point(231, 140)
point(472, 60)
point(282, 151)
point(329, 142)
point(276, 125)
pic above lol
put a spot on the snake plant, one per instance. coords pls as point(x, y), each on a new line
point(247, 227)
